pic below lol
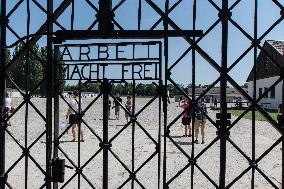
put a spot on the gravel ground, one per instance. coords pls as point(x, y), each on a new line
point(145, 148)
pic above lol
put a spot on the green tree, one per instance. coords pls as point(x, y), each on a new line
point(42, 53)
point(245, 85)
point(32, 68)
point(140, 89)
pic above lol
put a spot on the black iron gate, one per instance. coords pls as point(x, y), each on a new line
point(109, 28)
point(95, 69)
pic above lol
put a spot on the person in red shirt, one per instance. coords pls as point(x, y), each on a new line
point(186, 118)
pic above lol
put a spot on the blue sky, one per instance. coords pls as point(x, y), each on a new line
point(126, 16)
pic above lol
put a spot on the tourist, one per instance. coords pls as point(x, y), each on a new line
point(117, 106)
point(280, 109)
point(186, 118)
point(200, 120)
point(179, 101)
point(128, 106)
point(8, 108)
point(73, 118)
point(108, 108)
point(215, 102)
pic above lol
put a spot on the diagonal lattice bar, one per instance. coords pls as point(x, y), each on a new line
point(79, 170)
point(269, 150)
point(45, 11)
point(238, 177)
point(239, 150)
point(266, 177)
point(29, 49)
point(178, 174)
point(62, 7)
point(214, 64)
point(169, 11)
point(207, 148)
point(206, 175)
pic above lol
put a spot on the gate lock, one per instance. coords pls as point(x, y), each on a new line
point(58, 170)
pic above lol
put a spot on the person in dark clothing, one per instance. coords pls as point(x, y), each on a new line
point(128, 106)
point(117, 106)
point(215, 102)
point(108, 108)
point(280, 109)
point(200, 120)
point(186, 118)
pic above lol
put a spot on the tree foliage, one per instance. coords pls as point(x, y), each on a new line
point(32, 65)
point(141, 89)
point(29, 65)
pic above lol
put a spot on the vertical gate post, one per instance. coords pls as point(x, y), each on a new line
point(56, 107)
point(105, 145)
point(224, 15)
point(3, 21)
point(165, 105)
point(49, 94)
point(105, 16)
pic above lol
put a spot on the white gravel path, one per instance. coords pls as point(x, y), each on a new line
point(241, 134)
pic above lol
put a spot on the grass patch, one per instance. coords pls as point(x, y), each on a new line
point(258, 116)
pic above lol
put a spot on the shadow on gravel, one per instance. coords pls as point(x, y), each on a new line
point(184, 143)
point(174, 136)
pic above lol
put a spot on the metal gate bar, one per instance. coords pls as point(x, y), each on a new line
point(254, 95)
point(193, 91)
point(105, 144)
point(49, 93)
point(56, 109)
point(106, 22)
point(224, 16)
point(3, 22)
point(165, 110)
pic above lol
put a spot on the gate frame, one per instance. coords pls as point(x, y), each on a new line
point(223, 123)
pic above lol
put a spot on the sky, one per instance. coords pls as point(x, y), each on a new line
point(126, 16)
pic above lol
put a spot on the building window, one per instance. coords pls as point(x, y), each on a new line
point(266, 89)
point(272, 92)
point(260, 92)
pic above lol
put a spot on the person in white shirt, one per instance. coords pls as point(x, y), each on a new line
point(7, 108)
point(74, 103)
point(8, 102)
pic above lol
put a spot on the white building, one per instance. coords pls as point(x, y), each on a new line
point(267, 73)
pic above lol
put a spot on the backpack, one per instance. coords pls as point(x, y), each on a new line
point(200, 111)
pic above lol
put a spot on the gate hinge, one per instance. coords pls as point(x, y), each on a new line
point(282, 13)
point(192, 161)
point(225, 14)
point(255, 42)
point(132, 175)
point(253, 164)
point(4, 20)
point(58, 170)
